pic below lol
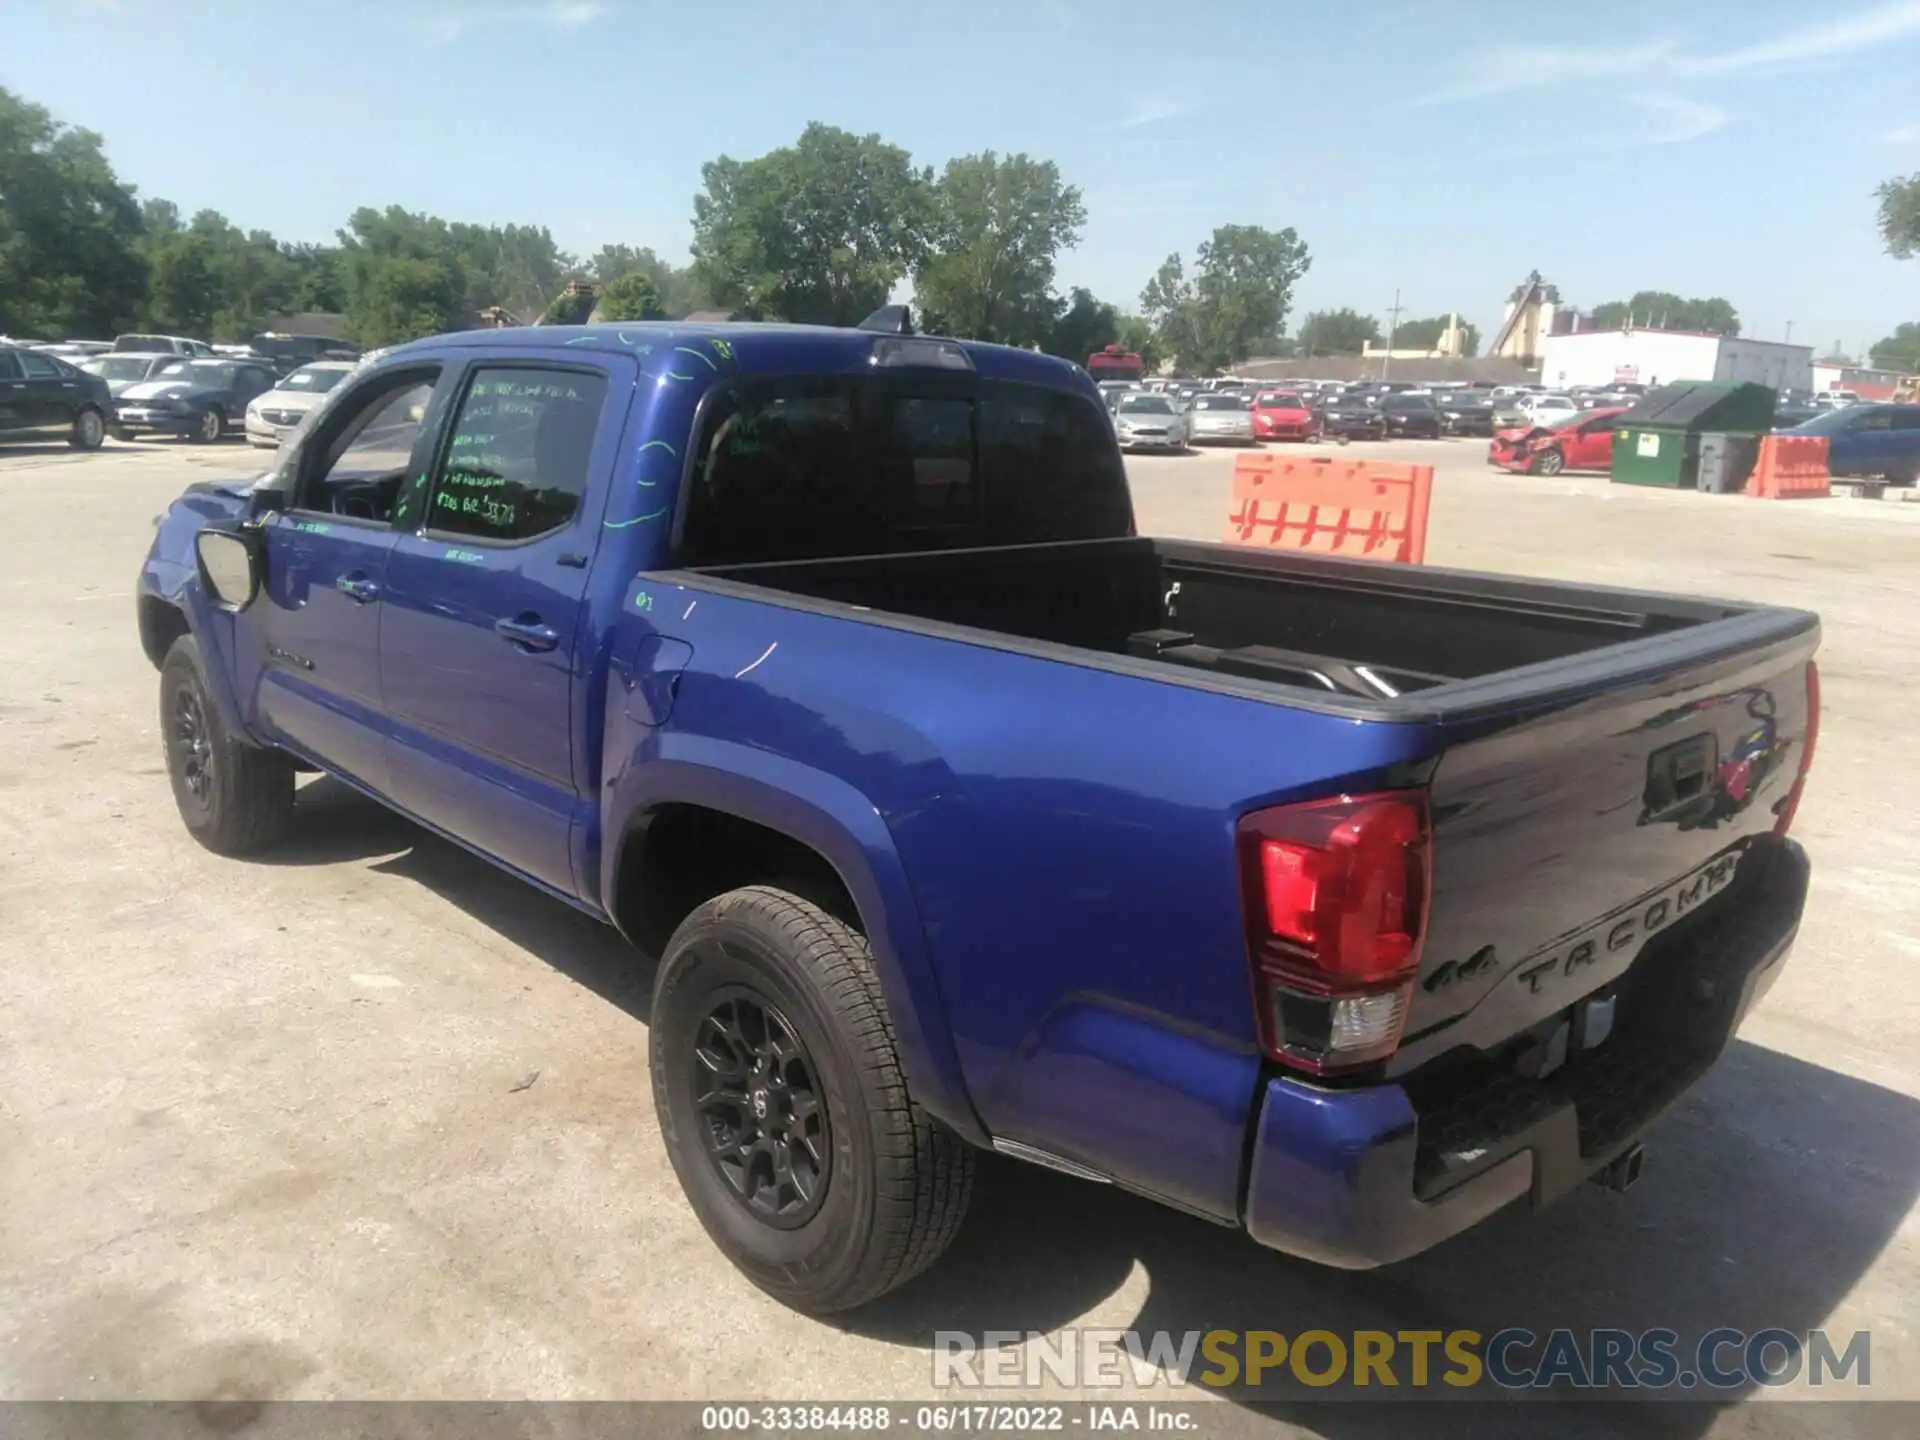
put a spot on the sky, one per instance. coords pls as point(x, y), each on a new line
point(1441, 149)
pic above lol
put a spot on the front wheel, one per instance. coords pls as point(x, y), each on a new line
point(1549, 462)
point(780, 1096)
point(234, 799)
point(89, 430)
point(211, 427)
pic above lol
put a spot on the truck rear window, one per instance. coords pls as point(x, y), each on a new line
point(809, 467)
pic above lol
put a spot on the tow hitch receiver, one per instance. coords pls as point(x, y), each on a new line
point(1621, 1173)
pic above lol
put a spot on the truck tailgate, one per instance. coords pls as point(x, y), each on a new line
point(1564, 841)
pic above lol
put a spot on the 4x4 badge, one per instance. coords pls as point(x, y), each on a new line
point(1472, 968)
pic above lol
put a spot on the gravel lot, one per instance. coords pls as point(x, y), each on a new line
point(371, 1121)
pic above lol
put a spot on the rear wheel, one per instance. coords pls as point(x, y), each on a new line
point(1548, 462)
point(779, 1092)
point(89, 430)
point(211, 427)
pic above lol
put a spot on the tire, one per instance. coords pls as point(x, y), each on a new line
point(234, 798)
point(89, 429)
point(893, 1185)
point(1548, 462)
point(211, 427)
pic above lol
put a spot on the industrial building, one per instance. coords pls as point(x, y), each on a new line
point(1655, 357)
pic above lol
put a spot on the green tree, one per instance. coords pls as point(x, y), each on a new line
point(680, 290)
point(70, 261)
point(1425, 335)
point(1235, 305)
point(632, 296)
point(402, 276)
point(572, 306)
point(1900, 216)
point(1337, 332)
point(1900, 350)
point(1663, 310)
point(184, 284)
point(997, 224)
point(1085, 324)
point(515, 266)
point(820, 231)
point(1137, 337)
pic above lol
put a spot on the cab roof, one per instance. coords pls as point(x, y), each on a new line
point(754, 348)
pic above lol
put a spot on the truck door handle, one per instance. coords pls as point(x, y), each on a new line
point(357, 588)
point(529, 632)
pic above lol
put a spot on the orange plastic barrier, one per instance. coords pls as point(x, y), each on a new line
point(1356, 508)
point(1791, 467)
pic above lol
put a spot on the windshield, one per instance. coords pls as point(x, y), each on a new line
point(114, 367)
point(1220, 402)
point(200, 372)
point(1145, 405)
point(1282, 400)
point(1830, 422)
point(312, 380)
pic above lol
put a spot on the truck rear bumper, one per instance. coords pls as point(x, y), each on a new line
point(1361, 1178)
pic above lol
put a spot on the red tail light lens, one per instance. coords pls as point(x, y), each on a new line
point(1791, 805)
point(1335, 893)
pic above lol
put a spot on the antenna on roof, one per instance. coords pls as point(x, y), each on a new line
point(889, 320)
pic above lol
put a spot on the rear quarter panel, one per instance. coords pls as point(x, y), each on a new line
point(1054, 841)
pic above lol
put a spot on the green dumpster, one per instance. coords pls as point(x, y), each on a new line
point(1657, 442)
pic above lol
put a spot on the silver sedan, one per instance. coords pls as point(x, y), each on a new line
point(1149, 422)
point(1221, 416)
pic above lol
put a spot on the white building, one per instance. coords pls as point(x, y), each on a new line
point(1658, 357)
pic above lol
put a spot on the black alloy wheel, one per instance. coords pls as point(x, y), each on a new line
point(759, 1100)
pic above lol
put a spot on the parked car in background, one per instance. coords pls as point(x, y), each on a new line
point(197, 399)
point(1411, 417)
point(287, 353)
point(272, 416)
point(1544, 409)
point(1220, 415)
point(120, 371)
point(159, 345)
point(43, 397)
point(1789, 413)
point(1869, 441)
point(1349, 417)
point(1466, 412)
point(1284, 415)
point(76, 350)
point(1580, 441)
point(1148, 422)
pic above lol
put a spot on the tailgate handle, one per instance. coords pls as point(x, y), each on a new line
point(1679, 774)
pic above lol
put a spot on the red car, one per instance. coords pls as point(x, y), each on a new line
point(1581, 441)
point(1283, 415)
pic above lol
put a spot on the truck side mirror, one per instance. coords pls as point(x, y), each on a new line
point(230, 566)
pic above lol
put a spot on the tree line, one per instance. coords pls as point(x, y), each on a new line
point(820, 231)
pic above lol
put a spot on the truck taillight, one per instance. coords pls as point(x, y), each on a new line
point(1791, 805)
point(1335, 893)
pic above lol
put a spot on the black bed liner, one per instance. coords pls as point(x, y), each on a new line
point(1357, 637)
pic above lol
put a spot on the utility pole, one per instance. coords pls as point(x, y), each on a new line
point(1789, 332)
point(1393, 324)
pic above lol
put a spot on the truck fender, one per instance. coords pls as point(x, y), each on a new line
point(213, 629)
point(835, 820)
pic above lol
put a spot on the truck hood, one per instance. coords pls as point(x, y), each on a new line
point(159, 390)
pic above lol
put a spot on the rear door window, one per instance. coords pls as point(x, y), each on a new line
point(516, 464)
point(806, 467)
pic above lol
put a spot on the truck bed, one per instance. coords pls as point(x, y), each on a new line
point(1403, 643)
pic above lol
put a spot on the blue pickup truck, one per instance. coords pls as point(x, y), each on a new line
point(1869, 441)
point(1341, 903)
